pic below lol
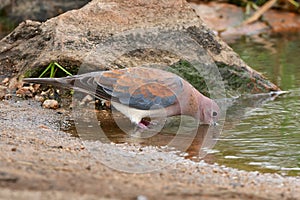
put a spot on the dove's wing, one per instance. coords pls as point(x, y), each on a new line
point(141, 88)
point(137, 87)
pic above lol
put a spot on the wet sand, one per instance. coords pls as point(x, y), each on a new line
point(38, 161)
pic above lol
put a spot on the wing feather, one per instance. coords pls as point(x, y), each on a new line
point(140, 87)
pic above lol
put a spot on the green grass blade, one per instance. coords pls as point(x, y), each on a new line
point(52, 73)
point(248, 8)
point(60, 67)
point(49, 66)
point(254, 6)
point(296, 4)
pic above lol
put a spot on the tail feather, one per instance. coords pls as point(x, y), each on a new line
point(85, 83)
point(67, 82)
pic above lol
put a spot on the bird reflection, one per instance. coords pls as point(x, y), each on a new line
point(181, 133)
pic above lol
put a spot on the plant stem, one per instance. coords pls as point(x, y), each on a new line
point(60, 67)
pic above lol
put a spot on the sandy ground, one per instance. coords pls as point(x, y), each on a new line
point(37, 161)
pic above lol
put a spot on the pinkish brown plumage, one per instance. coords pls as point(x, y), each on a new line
point(141, 92)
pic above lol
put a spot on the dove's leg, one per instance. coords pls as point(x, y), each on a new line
point(142, 125)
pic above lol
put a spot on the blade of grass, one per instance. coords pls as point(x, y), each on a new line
point(52, 73)
point(254, 6)
point(49, 66)
point(248, 9)
point(60, 67)
point(55, 72)
point(296, 4)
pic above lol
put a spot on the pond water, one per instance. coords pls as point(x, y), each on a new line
point(267, 138)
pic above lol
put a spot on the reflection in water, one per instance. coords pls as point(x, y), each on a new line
point(182, 136)
point(237, 108)
point(203, 142)
point(180, 133)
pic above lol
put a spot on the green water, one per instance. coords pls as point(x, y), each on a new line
point(266, 137)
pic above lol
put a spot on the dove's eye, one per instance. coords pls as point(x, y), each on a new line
point(214, 114)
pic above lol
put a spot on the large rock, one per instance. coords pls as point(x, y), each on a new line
point(109, 33)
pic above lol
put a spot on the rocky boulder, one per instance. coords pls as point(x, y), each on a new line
point(107, 34)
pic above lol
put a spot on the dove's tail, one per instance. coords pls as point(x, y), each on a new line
point(67, 82)
point(86, 83)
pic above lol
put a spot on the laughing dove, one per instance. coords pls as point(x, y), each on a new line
point(142, 92)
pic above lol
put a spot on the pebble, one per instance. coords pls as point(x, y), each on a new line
point(50, 104)
point(141, 197)
point(2, 92)
point(14, 83)
point(24, 91)
point(5, 81)
point(39, 98)
point(86, 99)
point(14, 149)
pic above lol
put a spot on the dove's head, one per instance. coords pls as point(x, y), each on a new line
point(209, 111)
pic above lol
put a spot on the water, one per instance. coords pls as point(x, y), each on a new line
point(267, 138)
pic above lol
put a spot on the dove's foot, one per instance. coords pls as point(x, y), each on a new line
point(141, 126)
point(144, 124)
point(147, 128)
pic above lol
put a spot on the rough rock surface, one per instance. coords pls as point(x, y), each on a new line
point(72, 38)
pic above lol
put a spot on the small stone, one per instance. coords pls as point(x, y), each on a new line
point(14, 149)
point(7, 96)
point(68, 149)
point(86, 99)
point(14, 83)
point(24, 92)
point(5, 81)
point(2, 92)
point(50, 104)
point(39, 98)
point(44, 127)
point(141, 197)
point(35, 87)
point(107, 104)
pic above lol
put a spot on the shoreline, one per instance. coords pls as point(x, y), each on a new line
point(38, 160)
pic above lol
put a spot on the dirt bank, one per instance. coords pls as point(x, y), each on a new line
point(37, 161)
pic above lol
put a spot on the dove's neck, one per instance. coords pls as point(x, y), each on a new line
point(202, 103)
